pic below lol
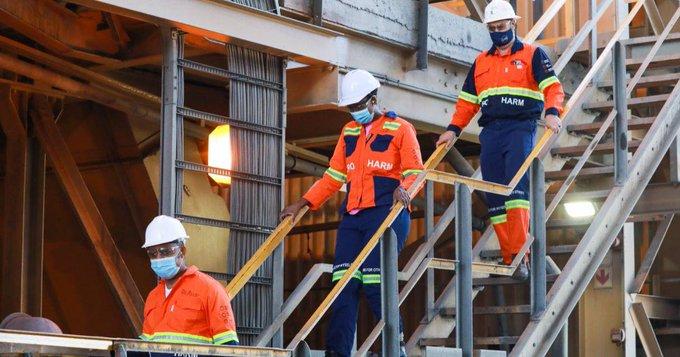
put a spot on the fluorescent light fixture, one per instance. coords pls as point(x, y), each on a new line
point(580, 209)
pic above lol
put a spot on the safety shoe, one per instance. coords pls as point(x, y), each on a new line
point(402, 349)
point(522, 271)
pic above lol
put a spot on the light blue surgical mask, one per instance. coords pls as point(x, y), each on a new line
point(362, 116)
point(165, 268)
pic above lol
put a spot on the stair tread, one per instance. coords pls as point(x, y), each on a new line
point(634, 123)
point(648, 81)
point(585, 172)
point(550, 250)
point(632, 102)
point(490, 310)
point(506, 281)
point(480, 341)
point(657, 61)
point(600, 148)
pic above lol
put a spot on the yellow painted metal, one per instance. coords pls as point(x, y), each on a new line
point(431, 163)
point(265, 250)
point(473, 183)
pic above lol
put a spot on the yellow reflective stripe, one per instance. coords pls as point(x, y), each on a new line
point(499, 219)
point(371, 279)
point(336, 175)
point(410, 172)
point(517, 204)
point(468, 97)
point(352, 131)
point(520, 92)
point(548, 81)
point(391, 126)
point(227, 336)
point(144, 337)
point(338, 274)
point(176, 337)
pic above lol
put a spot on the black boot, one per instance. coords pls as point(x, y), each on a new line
point(522, 271)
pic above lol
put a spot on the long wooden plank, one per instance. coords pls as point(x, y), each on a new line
point(262, 253)
point(430, 164)
point(112, 262)
point(473, 183)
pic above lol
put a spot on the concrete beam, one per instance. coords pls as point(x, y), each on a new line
point(230, 22)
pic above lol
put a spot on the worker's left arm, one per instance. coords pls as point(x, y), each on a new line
point(221, 317)
point(548, 83)
point(411, 160)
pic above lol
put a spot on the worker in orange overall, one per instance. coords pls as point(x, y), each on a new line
point(186, 306)
point(512, 83)
point(378, 158)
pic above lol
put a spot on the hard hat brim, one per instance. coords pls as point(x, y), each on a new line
point(151, 245)
point(349, 101)
point(506, 18)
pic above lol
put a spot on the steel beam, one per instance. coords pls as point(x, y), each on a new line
point(645, 331)
point(582, 265)
point(659, 307)
point(650, 256)
point(674, 155)
point(654, 16)
point(170, 98)
point(14, 277)
point(464, 314)
point(35, 219)
point(628, 278)
point(476, 9)
point(621, 122)
point(389, 293)
point(317, 12)
point(538, 248)
point(429, 228)
point(422, 52)
point(105, 248)
point(593, 32)
point(231, 22)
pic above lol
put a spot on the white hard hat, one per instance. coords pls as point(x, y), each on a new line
point(499, 10)
point(356, 85)
point(164, 229)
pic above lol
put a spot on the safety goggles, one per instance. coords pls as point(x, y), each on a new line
point(162, 252)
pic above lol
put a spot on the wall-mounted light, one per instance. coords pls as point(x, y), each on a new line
point(219, 152)
point(580, 209)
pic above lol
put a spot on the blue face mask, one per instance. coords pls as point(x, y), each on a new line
point(501, 39)
point(165, 268)
point(362, 116)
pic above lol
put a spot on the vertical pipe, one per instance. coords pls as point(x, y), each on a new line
point(628, 277)
point(674, 154)
point(593, 33)
point(169, 96)
point(317, 12)
point(464, 332)
point(35, 219)
point(502, 318)
point(389, 293)
point(421, 54)
point(621, 123)
point(538, 247)
point(429, 227)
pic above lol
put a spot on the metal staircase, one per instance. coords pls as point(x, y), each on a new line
point(567, 157)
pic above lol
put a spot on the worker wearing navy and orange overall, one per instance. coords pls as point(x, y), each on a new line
point(512, 83)
point(378, 158)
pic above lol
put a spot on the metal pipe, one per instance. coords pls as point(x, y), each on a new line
point(538, 247)
point(389, 293)
point(593, 33)
point(621, 122)
point(429, 228)
point(422, 51)
point(464, 332)
point(503, 329)
point(169, 97)
point(317, 12)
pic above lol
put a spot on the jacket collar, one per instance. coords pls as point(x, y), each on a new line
point(517, 46)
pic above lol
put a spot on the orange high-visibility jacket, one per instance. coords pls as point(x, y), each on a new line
point(372, 167)
point(516, 86)
point(196, 311)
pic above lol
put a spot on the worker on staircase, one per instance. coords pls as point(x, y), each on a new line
point(378, 157)
point(512, 83)
point(186, 306)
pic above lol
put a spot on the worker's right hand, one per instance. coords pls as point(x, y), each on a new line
point(292, 210)
point(446, 137)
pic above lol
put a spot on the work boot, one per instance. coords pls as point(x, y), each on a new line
point(402, 349)
point(522, 271)
point(332, 354)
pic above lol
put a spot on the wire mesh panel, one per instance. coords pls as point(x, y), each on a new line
point(256, 98)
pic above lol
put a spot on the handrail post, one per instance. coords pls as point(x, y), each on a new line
point(538, 275)
point(389, 293)
point(593, 33)
point(464, 333)
point(621, 123)
point(429, 228)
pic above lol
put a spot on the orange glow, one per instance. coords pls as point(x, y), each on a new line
point(219, 152)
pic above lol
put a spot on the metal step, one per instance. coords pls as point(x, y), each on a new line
point(479, 341)
point(659, 61)
point(551, 250)
point(632, 103)
point(587, 172)
point(648, 81)
point(599, 149)
point(490, 310)
point(434, 351)
point(506, 281)
point(667, 331)
point(634, 123)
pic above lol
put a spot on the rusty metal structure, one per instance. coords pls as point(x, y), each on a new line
point(108, 104)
